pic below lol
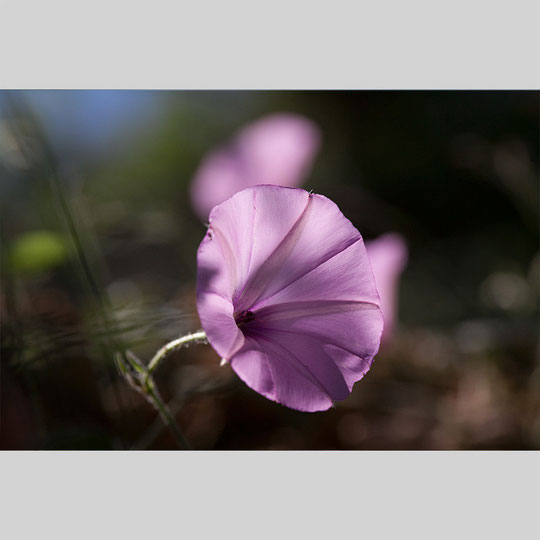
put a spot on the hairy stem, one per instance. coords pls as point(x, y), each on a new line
point(196, 337)
point(139, 376)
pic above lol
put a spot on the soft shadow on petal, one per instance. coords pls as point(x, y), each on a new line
point(326, 233)
point(231, 224)
point(294, 385)
point(216, 315)
point(316, 354)
point(251, 226)
point(215, 284)
point(309, 351)
point(216, 268)
point(352, 367)
point(252, 365)
point(309, 308)
point(345, 275)
point(358, 332)
point(264, 273)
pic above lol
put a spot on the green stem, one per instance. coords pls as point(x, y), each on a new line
point(153, 396)
point(174, 345)
point(140, 378)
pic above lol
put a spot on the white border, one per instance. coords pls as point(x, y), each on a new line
point(270, 495)
point(284, 44)
point(299, 44)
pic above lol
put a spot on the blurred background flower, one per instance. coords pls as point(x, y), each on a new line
point(453, 173)
point(277, 149)
point(388, 257)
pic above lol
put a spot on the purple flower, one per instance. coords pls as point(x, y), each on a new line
point(278, 149)
point(286, 294)
point(388, 257)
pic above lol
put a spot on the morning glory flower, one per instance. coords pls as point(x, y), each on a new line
point(287, 296)
point(277, 149)
point(388, 257)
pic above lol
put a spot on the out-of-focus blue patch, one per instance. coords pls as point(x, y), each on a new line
point(91, 124)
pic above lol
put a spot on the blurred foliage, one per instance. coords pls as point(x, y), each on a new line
point(456, 173)
point(37, 251)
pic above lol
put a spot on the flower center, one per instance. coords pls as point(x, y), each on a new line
point(244, 317)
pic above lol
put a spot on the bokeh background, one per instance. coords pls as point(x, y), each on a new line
point(455, 173)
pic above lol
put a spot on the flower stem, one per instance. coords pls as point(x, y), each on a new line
point(196, 337)
point(153, 396)
point(140, 378)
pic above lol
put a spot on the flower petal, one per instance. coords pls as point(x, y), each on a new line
point(358, 332)
point(301, 309)
point(216, 315)
point(294, 273)
point(320, 349)
point(309, 352)
point(215, 284)
point(345, 275)
point(253, 226)
point(280, 239)
point(324, 235)
point(252, 365)
point(272, 370)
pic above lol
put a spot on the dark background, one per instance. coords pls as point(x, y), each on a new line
point(456, 173)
